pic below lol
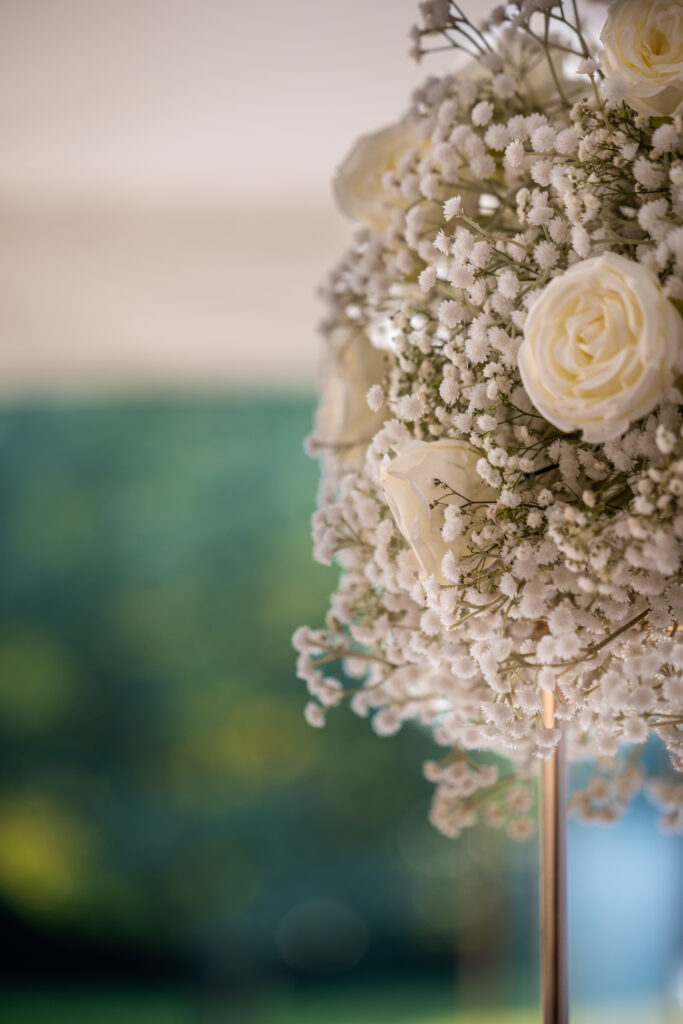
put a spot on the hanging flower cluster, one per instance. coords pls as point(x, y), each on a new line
point(500, 425)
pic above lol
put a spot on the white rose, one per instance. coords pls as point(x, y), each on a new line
point(601, 344)
point(643, 49)
point(409, 487)
point(358, 186)
point(350, 366)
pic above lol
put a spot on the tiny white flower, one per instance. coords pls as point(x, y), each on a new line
point(539, 214)
point(504, 86)
point(428, 278)
point(451, 313)
point(635, 730)
point(514, 154)
point(480, 255)
point(543, 138)
point(497, 137)
point(449, 390)
point(567, 141)
point(430, 186)
point(410, 408)
point(375, 398)
point(665, 138)
point(546, 255)
point(647, 174)
point(581, 242)
point(508, 284)
point(587, 66)
point(314, 714)
point(482, 113)
point(483, 166)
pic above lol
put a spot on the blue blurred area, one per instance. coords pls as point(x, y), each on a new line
point(626, 921)
point(167, 816)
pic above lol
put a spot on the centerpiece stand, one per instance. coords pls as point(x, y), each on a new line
point(553, 878)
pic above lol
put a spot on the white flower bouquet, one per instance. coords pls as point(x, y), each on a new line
point(501, 421)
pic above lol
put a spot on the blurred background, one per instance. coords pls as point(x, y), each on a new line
point(176, 845)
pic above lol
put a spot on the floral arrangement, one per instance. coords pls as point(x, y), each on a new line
point(501, 419)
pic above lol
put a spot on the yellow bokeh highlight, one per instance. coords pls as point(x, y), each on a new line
point(44, 855)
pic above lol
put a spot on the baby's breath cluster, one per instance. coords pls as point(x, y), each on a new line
point(500, 423)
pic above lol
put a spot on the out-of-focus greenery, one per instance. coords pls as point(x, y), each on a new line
point(385, 1005)
point(161, 794)
point(154, 562)
point(159, 783)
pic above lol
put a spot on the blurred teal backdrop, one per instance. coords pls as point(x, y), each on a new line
point(175, 842)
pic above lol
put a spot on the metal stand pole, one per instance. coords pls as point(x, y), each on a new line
point(553, 858)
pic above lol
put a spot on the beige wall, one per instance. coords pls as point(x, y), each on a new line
point(164, 194)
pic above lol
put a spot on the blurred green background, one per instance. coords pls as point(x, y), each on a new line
point(176, 844)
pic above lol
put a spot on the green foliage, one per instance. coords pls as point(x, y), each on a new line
point(159, 781)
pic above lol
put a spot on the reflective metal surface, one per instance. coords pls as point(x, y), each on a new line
point(553, 863)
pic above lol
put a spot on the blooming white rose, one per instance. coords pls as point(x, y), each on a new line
point(349, 369)
point(358, 185)
point(601, 344)
point(409, 482)
point(643, 50)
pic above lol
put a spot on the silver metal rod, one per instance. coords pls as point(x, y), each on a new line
point(553, 858)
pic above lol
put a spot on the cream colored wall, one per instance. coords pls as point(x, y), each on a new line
point(164, 202)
